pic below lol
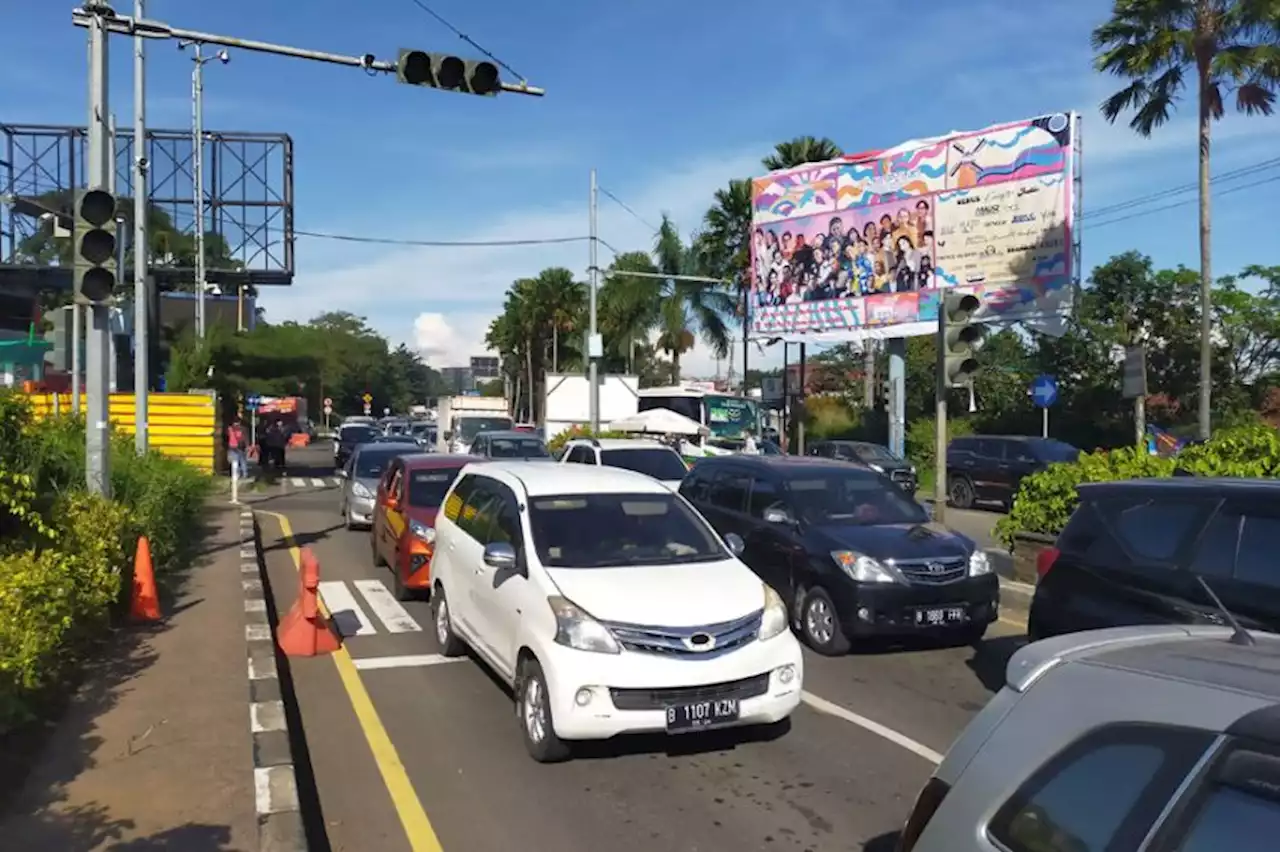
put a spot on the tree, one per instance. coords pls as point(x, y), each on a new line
point(687, 306)
point(801, 150)
point(1226, 47)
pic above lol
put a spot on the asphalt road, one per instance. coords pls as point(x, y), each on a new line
point(410, 753)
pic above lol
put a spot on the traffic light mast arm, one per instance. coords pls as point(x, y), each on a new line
point(147, 28)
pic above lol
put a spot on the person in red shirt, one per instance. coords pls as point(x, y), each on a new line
point(236, 445)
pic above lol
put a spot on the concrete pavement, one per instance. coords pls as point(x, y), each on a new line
point(412, 753)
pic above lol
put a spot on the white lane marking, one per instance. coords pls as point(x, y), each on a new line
point(404, 661)
point(348, 617)
point(257, 632)
point(264, 671)
point(298, 483)
point(822, 705)
point(266, 716)
point(275, 789)
point(255, 605)
point(318, 483)
point(386, 607)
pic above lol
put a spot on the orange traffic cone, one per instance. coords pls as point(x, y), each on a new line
point(144, 603)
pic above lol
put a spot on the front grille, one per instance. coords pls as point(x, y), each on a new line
point(902, 476)
point(923, 571)
point(671, 641)
point(660, 699)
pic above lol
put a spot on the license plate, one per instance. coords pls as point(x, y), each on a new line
point(938, 616)
point(701, 715)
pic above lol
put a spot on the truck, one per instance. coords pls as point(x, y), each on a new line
point(567, 401)
point(461, 418)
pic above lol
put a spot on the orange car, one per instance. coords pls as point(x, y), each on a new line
point(404, 514)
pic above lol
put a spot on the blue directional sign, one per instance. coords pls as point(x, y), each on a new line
point(1044, 391)
point(253, 402)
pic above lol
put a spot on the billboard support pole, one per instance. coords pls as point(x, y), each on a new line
point(799, 416)
point(593, 361)
point(940, 421)
point(896, 404)
point(868, 374)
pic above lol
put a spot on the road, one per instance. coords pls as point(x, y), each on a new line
point(403, 744)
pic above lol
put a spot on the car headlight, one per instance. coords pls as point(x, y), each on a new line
point(877, 468)
point(774, 620)
point(422, 532)
point(864, 569)
point(578, 630)
point(979, 564)
point(358, 490)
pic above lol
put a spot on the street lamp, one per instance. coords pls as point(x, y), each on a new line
point(197, 166)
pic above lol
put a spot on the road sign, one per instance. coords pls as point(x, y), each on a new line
point(328, 402)
point(368, 399)
point(1044, 391)
point(328, 409)
point(252, 402)
point(368, 409)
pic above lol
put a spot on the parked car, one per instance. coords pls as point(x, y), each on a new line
point(360, 477)
point(875, 456)
point(424, 433)
point(1160, 739)
point(649, 623)
point(509, 444)
point(641, 455)
point(409, 497)
point(989, 468)
point(851, 555)
point(1137, 551)
point(350, 436)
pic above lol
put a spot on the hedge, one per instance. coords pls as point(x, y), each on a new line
point(66, 555)
point(1045, 500)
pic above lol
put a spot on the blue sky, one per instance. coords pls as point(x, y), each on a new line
point(667, 99)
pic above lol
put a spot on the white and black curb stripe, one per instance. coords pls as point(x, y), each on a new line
point(275, 785)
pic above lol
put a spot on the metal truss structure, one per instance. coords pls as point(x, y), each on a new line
point(249, 202)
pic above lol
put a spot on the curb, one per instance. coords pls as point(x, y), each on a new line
point(280, 824)
point(1015, 597)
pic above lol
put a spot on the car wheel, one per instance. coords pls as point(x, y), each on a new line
point(821, 626)
point(450, 644)
point(960, 493)
point(533, 705)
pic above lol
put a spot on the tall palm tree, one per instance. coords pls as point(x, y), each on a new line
point(687, 305)
point(801, 150)
point(1225, 47)
point(627, 307)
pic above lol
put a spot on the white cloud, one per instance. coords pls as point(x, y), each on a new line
point(446, 341)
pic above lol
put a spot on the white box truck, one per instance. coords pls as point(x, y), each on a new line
point(567, 401)
point(461, 418)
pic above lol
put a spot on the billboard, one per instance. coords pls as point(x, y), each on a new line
point(862, 247)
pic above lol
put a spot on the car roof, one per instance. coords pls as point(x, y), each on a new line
point(1200, 654)
point(386, 446)
point(782, 465)
point(511, 435)
point(541, 479)
point(431, 461)
point(1227, 484)
point(622, 443)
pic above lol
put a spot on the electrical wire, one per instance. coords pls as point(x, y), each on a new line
point(387, 241)
point(468, 39)
point(1234, 174)
point(626, 207)
point(1183, 203)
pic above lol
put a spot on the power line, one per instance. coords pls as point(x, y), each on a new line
point(626, 207)
point(387, 241)
point(468, 39)
point(1244, 171)
point(1183, 203)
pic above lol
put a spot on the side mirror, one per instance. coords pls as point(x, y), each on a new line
point(735, 543)
point(500, 555)
point(777, 516)
point(342, 473)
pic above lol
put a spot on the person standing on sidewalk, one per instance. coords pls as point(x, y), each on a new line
point(236, 448)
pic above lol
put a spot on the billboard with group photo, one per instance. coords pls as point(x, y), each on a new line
point(862, 247)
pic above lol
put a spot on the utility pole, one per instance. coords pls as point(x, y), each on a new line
point(869, 374)
point(940, 422)
point(197, 157)
point(593, 337)
point(141, 250)
point(99, 167)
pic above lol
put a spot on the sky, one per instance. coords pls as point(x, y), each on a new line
point(667, 100)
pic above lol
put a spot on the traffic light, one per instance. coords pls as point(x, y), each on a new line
point(453, 73)
point(961, 338)
point(94, 270)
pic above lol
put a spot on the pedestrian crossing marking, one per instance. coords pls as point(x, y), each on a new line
point(348, 617)
point(385, 606)
point(351, 613)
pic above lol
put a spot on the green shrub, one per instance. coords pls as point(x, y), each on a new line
point(98, 537)
point(37, 593)
point(575, 432)
point(1251, 450)
point(922, 440)
point(166, 496)
point(828, 418)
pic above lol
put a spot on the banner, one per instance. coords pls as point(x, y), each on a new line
point(849, 250)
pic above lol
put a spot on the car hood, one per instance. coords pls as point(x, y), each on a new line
point(894, 541)
point(689, 595)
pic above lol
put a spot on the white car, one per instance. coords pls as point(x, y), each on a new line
point(639, 454)
point(608, 604)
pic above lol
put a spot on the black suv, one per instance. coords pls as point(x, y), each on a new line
point(875, 456)
point(1137, 551)
point(989, 468)
point(350, 436)
point(850, 553)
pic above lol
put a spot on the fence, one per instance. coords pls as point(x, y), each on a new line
point(182, 425)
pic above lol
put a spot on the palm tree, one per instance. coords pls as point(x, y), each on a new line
point(687, 305)
point(801, 150)
point(1226, 46)
point(627, 307)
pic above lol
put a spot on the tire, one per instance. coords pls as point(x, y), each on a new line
point(820, 625)
point(960, 493)
point(533, 710)
point(450, 644)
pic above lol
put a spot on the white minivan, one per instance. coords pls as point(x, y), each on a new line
point(608, 604)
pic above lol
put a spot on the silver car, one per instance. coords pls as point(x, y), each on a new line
point(1134, 739)
point(361, 475)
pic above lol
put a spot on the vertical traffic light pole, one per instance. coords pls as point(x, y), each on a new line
point(940, 419)
point(97, 416)
point(141, 317)
point(593, 362)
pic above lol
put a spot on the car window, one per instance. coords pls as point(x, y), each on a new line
point(962, 445)
point(1238, 810)
point(626, 529)
point(1215, 554)
point(851, 496)
point(357, 434)
point(372, 463)
point(990, 449)
point(1019, 451)
point(517, 448)
point(764, 495)
point(1051, 450)
point(1102, 793)
point(873, 453)
point(479, 446)
point(1149, 529)
point(458, 498)
point(506, 523)
point(1259, 544)
point(694, 486)
point(478, 512)
point(658, 462)
point(428, 486)
point(729, 491)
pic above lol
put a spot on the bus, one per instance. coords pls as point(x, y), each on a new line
point(727, 416)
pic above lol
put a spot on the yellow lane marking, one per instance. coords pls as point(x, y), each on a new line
point(413, 818)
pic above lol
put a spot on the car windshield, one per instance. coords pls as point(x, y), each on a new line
point(1050, 450)
point(658, 462)
point(469, 427)
point(371, 463)
point(873, 453)
point(419, 428)
point(517, 448)
point(427, 487)
point(357, 434)
point(853, 497)
point(626, 529)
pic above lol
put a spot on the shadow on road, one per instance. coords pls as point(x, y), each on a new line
point(300, 539)
point(92, 827)
point(882, 843)
point(991, 658)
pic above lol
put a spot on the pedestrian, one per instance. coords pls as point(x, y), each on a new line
point(749, 445)
point(236, 449)
point(275, 439)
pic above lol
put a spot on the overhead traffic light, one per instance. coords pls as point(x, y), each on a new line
point(94, 271)
point(961, 337)
point(443, 71)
